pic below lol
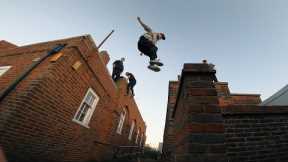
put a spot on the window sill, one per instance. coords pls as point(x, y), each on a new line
point(80, 123)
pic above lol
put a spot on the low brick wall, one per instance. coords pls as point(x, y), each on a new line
point(256, 133)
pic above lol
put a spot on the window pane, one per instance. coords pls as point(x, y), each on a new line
point(121, 122)
point(140, 143)
point(131, 130)
point(92, 99)
point(83, 113)
point(88, 97)
point(79, 112)
point(136, 140)
point(3, 69)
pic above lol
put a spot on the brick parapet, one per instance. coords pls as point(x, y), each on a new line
point(256, 133)
point(253, 110)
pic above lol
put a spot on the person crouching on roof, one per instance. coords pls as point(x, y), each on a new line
point(131, 83)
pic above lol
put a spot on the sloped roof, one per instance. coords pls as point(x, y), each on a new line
point(44, 46)
point(4, 45)
point(280, 98)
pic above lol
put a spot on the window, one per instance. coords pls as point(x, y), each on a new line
point(131, 130)
point(137, 135)
point(86, 108)
point(141, 140)
point(3, 69)
point(121, 121)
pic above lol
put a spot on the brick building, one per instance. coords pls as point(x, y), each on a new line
point(59, 103)
point(205, 122)
point(169, 137)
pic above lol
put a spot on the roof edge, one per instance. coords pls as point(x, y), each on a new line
point(277, 94)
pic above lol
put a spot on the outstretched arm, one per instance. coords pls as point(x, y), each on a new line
point(146, 27)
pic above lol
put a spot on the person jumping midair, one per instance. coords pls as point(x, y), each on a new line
point(131, 84)
point(147, 45)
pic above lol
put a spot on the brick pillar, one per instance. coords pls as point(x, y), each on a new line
point(198, 121)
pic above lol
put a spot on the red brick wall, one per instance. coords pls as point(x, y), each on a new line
point(256, 133)
point(222, 88)
point(127, 102)
point(226, 98)
point(169, 136)
point(36, 118)
point(198, 123)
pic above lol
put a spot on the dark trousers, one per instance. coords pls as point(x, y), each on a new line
point(116, 73)
point(147, 48)
point(130, 87)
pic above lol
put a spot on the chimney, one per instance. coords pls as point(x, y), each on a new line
point(199, 115)
point(4, 45)
point(104, 57)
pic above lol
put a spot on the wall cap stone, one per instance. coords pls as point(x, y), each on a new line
point(253, 110)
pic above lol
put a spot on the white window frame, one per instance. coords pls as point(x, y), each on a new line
point(4, 69)
point(137, 135)
point(131, 130)
point(90, 111)
point(121, 122)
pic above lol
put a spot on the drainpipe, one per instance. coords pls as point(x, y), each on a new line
point(27, 71)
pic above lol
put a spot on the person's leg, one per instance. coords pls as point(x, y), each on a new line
point(153, 53)
point(132, 91)
point(132, 88)
point(117, 73)
point(146, 47)
point(120, 72)
point(128, 88)
point(114, 74)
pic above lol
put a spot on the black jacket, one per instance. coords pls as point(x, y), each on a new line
point(131, 78)
point(118, 64)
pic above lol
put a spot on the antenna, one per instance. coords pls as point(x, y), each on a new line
point(105, 39)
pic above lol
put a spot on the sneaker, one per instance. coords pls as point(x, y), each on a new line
point(154, 68)
point(157, 62)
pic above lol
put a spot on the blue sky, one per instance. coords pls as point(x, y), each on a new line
point(246, 40)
